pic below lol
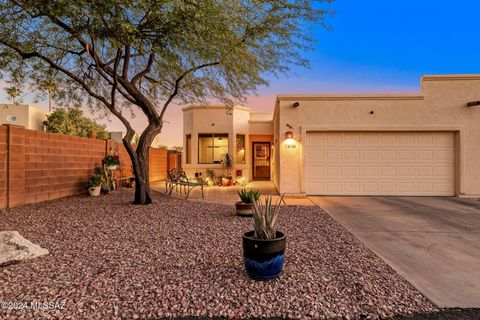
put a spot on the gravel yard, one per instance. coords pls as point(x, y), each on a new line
point(176, 258)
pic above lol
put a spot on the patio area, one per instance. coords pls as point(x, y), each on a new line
point(229, 195)
point(110, 259)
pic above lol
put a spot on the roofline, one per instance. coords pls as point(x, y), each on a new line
point(24, 105)
point(386, 96)
point(450, 77)
point(337, 97)
point(199, 106)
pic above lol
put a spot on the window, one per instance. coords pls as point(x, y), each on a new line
point(188, 148)
point(212, 147)
point(240, 158)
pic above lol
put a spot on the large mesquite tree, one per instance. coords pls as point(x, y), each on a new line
point(130, 56)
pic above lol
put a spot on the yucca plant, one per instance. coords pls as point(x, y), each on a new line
point(265, 217)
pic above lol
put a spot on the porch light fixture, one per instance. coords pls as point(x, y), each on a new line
point(473, 104)
point(288, 135)
point(296, 104)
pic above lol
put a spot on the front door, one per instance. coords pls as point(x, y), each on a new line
point(261, 160)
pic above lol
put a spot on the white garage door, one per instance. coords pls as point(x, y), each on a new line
point(380, 163)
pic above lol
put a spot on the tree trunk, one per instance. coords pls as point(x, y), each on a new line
point(139, 158)
point(142, 185)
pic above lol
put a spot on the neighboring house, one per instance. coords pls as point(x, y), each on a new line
point(24, 115)
point(424, 144)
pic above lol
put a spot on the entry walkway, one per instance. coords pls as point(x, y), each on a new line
point(227, 195)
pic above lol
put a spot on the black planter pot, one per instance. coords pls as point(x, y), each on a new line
point(264, 258)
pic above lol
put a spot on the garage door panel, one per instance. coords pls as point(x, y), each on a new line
point(444, 155)
point(351, 155)
point(316, 154)
point(388, 138)
point(351, 139)
point(422, 155)
point(378, 163)
point(388, 155)
point(351, 171)
point(388, 187)
point(370, 155)
point(333, 139)
point(334, 154)
point(370, 139)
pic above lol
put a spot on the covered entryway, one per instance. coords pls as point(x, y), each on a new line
point(380, 163)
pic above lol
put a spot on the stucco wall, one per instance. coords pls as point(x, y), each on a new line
point(441, 105)
point(20, 111)
point(261, 127)
point(215, 119)
point(26, 116)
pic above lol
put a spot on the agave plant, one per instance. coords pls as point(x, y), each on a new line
point(249, 196)
point(265, 217)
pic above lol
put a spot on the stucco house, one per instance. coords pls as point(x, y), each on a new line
point(212, 131)
point(423, 144)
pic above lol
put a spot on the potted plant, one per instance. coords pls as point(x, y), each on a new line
point(227, 163)
point(106, 185)
point(245, 206)
point(111, 162)
point(264, 247)
point(210, 177)
point(95, 184)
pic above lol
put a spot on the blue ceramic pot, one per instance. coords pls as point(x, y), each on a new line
point(264, 258)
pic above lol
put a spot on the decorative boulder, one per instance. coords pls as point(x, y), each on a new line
point(14, 247)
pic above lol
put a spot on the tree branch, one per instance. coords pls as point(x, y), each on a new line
point(144, 72)
point(177, 84)
point(126, 61)
point(52, 64)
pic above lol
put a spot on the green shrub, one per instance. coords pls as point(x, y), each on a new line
point(95, 181)
point(111, 161)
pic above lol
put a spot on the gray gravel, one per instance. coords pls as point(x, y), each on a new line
point(176, 258)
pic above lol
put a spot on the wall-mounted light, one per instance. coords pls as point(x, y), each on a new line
point(473, 103)
point(289, 135)
point(296, 104)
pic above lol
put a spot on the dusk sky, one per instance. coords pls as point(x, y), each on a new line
point(374, 46)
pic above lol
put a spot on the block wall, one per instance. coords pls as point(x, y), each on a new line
point(38, 166)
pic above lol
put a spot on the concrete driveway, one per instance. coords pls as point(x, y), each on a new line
point(433, 242)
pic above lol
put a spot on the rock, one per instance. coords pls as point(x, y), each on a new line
point(14, 247)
